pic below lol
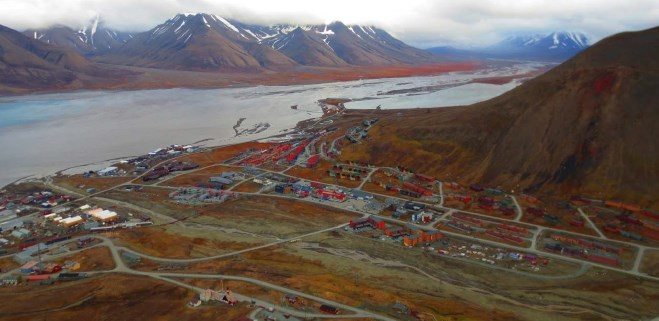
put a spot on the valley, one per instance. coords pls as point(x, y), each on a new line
point(162, 161)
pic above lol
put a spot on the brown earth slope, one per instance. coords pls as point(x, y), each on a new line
point(28, 65)
point(586, 126)
point(24, 61)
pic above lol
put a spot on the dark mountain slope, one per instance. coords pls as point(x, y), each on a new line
point(588, 125)
point(194, 42)
point(89, 40)
point(26, 62)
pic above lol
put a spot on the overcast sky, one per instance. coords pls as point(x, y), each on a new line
point(422, 23)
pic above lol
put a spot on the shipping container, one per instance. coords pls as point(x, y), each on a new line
point(329, 309)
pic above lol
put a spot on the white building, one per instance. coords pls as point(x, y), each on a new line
point(108, 171)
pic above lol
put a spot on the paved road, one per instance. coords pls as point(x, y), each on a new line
point(530, 250)
point(491, 243)
point(165, 218)
point(258, 302)
point(518, 209)
point(221, 256)
point(122, 268)
point(440, 186)
point(358, 312)
point(592, 225)
point(338, 205)
point(367, 178)
point(638, 260)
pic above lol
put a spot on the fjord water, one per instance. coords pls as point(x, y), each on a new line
point(41, 134)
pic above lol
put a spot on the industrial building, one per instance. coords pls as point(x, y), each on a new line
point(71, 221)
point(29, 252)
point(371, 221)
point(108, 171)
point(21, 233)
point(221, 180)
point(29, 267)
point(360, 195)
point(102, 215)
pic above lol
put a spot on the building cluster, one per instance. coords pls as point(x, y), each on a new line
point(326, 192)
point(593, 251)
point(86, 216)
point(405, 182)
point(195, 195)
point(357, 133)
point(286, 153)
point(23, 204)
point(347, 172)
point(410, 234)
point(164, 170)
point(143, 163)
point(488, 199)
point(470, 224)
point(402, 209)
point(222, 181)
point(628, 220)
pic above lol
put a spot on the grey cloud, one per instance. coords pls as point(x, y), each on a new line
point(422, 23)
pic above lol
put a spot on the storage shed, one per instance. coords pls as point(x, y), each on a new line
point(221, 180)
point(71, 221)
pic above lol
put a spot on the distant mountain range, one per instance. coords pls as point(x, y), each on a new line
point(91, 39)
point(29, 63)
point(555, 46)
point(209, 42)
point(96, 56)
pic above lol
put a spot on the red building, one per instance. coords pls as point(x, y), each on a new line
point(424, 178)
point(374, 222)
point(331, 195)
point(418, 189)
point(313, 161)
point(576, 222)
point(394, 231)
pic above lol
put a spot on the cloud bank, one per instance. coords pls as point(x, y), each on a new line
point(423, 23)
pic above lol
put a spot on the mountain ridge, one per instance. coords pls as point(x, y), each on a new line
point(582, 127)
point(91, 39)
point(211, 42)
point(551, 46)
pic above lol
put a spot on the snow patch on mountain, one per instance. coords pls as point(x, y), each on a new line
point(227, 23)
point(326, 31)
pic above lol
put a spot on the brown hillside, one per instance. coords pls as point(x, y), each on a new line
point(586, 126)
point(26, 62)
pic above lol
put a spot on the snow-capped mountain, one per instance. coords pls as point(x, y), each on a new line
point(551, 41)
point(207, 41)
point(91, 39)
point(27, 64)
point(554, 46)
point(197, 42)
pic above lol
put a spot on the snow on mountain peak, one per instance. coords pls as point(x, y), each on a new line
point(226, 23)
point(551, 40)
point(325, 31)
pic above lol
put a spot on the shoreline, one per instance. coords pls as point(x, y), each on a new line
point(222, 141)
point(218, 80)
